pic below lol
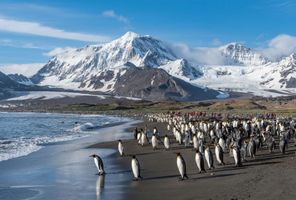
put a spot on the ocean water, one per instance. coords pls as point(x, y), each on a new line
point(24, 133)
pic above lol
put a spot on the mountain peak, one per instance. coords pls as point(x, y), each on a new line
point(236, 53)
point(130, 35)
point(235, 46)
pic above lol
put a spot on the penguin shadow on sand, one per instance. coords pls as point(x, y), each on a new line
point(209, 176)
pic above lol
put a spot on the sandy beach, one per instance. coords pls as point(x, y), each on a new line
point(268, 176)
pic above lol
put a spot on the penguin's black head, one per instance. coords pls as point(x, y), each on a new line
point(178, 153)
point(119, 140)
point(93, 155)
point(165, 135)
point(134, 156)
point(197, 151)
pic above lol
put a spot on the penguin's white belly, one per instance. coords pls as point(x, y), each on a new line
point(235, 156)
point(198, 161)
point(120, 149)
point(135, 169)
point(97, 164)
point(166, 143)
point(154, 142)
point(195, 143)
point(207, 155)
point(222, 144)
point(143, 139)
point(180, 166)
point(217, 152)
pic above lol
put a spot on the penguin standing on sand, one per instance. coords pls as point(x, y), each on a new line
point(136, 168)
point(195, 142)
point(283, 145)
point(219, 154)
point(270, 144)
point(252, 148)
point(99, 164)
point(166, 142)
point(120, 148)
point(200, 162)
point(181, 166)
point(209, 157)
point(237, 156)
point(154, 141)
point(144, 138)
point(244, 150)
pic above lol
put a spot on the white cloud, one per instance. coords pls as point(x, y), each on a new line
point(34, 28)
point(279, 46)
point(25, 69)
point(200, 55)
point(58, 51)
point(112, 14)
point(216, 42)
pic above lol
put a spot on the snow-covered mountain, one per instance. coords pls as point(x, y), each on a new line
point(237, 54)
point(114, 66)
point(283, 74)
point(20, 79)
point(98, 67)
point(8, 86)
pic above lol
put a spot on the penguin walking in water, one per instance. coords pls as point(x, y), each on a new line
point(209, 158)
point(166, 142)
point(99, 164)
point(136, 169)
point(219, 154)
point(200, 162)
point(181, 167)
point(154, 141)
point(120, 148)
point(237, 156)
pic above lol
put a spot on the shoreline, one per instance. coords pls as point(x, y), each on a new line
point(60, 140)
point(65, 171)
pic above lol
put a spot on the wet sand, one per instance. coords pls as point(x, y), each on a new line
point(268, 176)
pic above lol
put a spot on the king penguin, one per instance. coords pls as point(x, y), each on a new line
point(154, 141)
point(181, 166)
point(219, 154)
point(200, 162)
point(209, 157)
point(237, 156)
point(136, 168)
point(99, 164)
point(120, 148)
point(166, 142)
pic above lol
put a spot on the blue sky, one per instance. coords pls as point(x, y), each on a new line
point(30, 29)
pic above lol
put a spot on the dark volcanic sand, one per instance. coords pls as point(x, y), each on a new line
point(269, 176)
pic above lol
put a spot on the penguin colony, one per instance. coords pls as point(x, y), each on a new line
point(212, 137)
